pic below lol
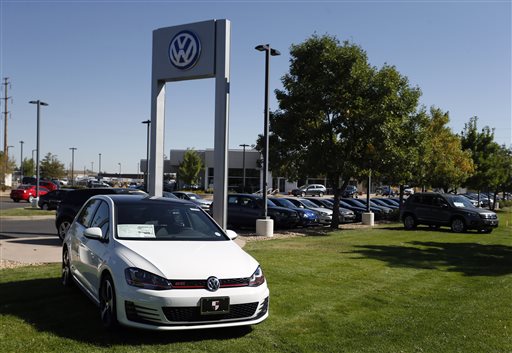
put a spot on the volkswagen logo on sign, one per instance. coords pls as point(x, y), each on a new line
point(212, 284)
point(184, 50)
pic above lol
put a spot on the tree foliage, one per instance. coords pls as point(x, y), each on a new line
point(29, 168)
point(190, 167)
point(445, 164)
point(51, 168)
point(339, 116)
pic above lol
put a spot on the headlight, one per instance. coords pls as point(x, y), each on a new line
point(324, 213)
point(147, 280)
point(257, 278)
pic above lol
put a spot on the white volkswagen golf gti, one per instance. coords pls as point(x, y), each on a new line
point(162, 264)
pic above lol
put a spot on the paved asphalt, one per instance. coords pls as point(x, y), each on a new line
point(29, 240)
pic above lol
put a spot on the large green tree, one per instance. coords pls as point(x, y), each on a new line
point(190, 167)
point(444, 163)
point(491, 160)
point(51, 168)
point(339, 116)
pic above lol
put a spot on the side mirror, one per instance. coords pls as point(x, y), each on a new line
point(231, 234)
point(94, 233)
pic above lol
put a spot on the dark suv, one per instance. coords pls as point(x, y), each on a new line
point(454, 211)
point(73, 201)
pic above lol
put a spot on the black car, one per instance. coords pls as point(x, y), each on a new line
point(51, 200)
point(73, 201)
point(350, 191)
point(245, 209)
point(454, 211)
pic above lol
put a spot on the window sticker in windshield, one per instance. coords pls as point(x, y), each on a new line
point(136, 230)
point(459, 204)
point(217, 234)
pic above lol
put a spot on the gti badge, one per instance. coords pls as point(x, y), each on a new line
point(184, 50)
point(212, 284)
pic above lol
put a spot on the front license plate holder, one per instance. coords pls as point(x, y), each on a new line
point(214, 306)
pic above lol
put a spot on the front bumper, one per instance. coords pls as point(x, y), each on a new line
point(179, 309)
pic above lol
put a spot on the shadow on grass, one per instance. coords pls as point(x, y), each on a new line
point(68, 313)
point(471, 259)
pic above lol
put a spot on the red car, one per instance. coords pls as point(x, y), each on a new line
point(27, 193)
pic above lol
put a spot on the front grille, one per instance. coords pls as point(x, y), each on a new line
point(191, 314)
point(201, 284)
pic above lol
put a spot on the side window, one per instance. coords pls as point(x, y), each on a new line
point(246, 202)
point(101, 218)
point(233, 200)
point(440, 201)
point(85, 217)
point(428, 200)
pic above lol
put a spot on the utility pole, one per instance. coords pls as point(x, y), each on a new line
point(6, 114)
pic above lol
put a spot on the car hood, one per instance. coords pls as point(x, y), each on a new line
point(188, 259)
point(321, 209)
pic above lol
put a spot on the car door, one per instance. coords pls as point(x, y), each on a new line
point(441, 211)
point(79, 249)
point(424, 208)
point(95, 248)
point(249, 210)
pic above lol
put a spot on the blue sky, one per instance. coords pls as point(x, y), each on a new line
point(91, 61)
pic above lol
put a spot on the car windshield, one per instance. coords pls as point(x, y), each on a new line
point(285, 203)
point(308, 203)
point(153, 220)
point(461, 202)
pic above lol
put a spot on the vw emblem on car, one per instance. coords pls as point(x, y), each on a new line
point(212, 284)
point(184, 50)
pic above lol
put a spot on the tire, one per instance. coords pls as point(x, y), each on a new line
point(30, 198)
point(321, 194)
point(107, 298)
point(409, 222)
point(458, 225)
point(302, 194)
point(44, 206)
point(63, 228)
point(66, 269)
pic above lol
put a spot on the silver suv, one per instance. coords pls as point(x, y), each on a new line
point(311, 190)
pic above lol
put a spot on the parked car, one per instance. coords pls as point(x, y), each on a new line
point(71, 203)
point(245, 209)
point(454, 211)
point(385, 190)
point(311, 190)
point(195, 198)
point(27, 193)
point(346, 215)
point(378, 212)
point(46, 184)
point(51, 200)
point(324, 213)
point(161, 264)
point(350, 191)
point(307, 217)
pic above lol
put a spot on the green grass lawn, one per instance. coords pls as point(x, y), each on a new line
point(364, 290)
point(25, 211)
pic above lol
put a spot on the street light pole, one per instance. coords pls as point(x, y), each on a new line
point(21, 161)
point(39, 104)
point(268, 52)
point(73, 149)
point(99, 166)
point(146, 174)
point(243, 164)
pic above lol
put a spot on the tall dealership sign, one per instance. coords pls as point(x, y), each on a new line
point(188, 52)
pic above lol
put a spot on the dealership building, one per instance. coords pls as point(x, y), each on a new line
point(238, 160)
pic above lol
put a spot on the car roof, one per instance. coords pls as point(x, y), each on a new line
point(137, 198)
